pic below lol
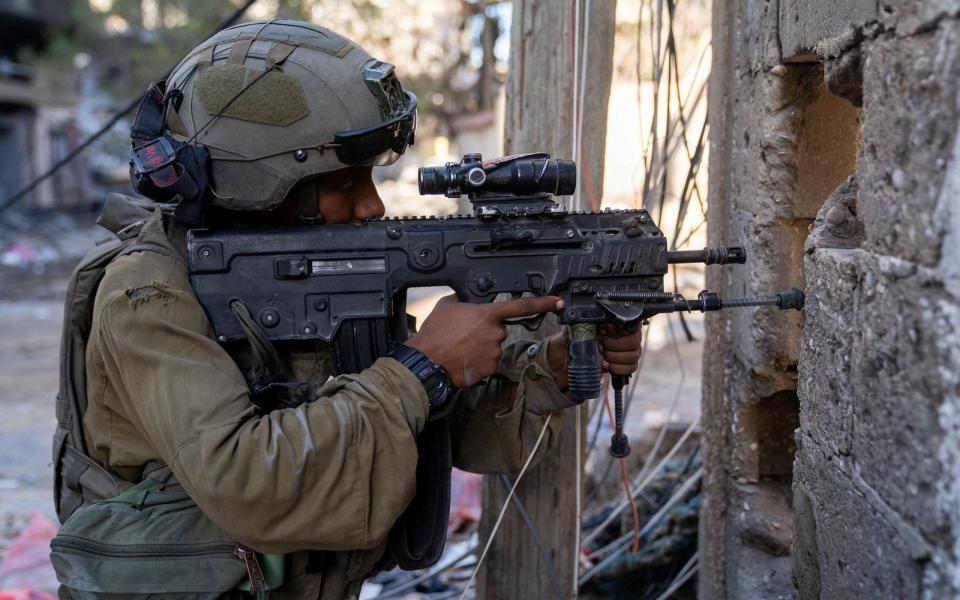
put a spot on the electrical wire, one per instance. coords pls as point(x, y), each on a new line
point(621, 543)
point(682, 577)
point(627, 488)
point(19, 195)
point(537, 538)
point(639, 486)
point(579, 89)
point(436, 570)
point(506, 503)
point(618, 546)
point(578, 522)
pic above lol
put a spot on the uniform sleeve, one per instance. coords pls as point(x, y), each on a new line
point(496, 423)
point(332, 474)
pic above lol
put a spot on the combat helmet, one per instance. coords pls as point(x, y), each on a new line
point(274, 104)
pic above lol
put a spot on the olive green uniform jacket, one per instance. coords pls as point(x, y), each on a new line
point(332, 474)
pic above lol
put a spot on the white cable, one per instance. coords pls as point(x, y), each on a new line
point(506, 503)
point(579, 88)
point(575, 155)
point(681, 576)
point(579, 511)
point(648, 462)
point(678, 582)
point(613, 549)
point(640, 485)
point(582, 91)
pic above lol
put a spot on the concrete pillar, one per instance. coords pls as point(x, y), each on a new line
point(867, 499)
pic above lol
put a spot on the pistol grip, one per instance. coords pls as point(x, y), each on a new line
point(583, 365)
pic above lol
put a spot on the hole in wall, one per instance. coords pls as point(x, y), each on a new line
point(769, 424)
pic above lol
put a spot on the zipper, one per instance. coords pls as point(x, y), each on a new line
point(148, 550)
point(258, 583)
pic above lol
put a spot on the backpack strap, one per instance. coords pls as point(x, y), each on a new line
point(78, 479)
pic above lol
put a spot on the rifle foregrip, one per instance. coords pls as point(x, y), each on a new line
point(583, 365)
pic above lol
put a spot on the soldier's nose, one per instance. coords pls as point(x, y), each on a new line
point(367, 204)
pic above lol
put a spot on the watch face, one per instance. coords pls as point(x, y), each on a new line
point(432, 376)
point(438, 387)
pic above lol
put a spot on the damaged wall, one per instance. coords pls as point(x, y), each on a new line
point(833, 438)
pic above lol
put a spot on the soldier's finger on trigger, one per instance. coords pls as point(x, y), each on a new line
point(448, 299)
point(526, 307)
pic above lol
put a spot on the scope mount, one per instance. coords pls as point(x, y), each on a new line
point(494, 206)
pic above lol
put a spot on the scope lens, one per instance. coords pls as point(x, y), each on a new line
point(566, 177)
point(432, 180)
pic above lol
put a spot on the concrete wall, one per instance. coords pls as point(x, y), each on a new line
point(833, 437)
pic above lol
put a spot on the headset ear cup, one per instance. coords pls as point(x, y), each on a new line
point(143, 185)
point(186, 178)
point(194, 161)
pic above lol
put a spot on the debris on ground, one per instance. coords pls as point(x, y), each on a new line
point(26, 567)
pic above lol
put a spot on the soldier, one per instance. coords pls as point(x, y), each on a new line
point(294, 118)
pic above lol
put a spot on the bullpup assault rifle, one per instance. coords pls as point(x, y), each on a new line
point(346, 284)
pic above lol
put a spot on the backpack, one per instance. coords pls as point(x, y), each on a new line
point(78, 479)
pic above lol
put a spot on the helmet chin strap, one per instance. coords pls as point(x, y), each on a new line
point(309, 206)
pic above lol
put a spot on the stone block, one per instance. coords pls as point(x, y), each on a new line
point(830, 341)
point(806, 23)
point(846, 546)
point(908, 17)
point(905, 369)
point(907, 142)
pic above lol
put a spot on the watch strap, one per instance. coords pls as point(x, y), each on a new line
point(434, 378)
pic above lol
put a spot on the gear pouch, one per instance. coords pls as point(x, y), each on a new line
point(149, 542)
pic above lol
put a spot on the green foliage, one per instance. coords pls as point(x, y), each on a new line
point(135, 42)
point(131, 43)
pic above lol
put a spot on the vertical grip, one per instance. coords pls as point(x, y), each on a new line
point(583, 364)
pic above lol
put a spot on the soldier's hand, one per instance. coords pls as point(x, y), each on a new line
point(465, 338)
point(620, 349)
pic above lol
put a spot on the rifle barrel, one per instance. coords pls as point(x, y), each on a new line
point(717, 255)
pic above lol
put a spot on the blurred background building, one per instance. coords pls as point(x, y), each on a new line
point(37, 120)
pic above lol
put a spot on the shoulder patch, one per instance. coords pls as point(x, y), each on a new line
point(275, 99)
point(157, 291)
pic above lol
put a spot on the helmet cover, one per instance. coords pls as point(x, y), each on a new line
point(280, 102)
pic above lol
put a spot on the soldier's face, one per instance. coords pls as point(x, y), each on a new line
point(348, 196)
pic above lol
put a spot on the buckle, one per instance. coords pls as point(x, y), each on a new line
point(154, 156)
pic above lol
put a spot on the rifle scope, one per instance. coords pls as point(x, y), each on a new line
point(523, 174)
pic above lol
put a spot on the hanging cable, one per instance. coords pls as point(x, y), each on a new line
point(436, 570)
point(627, 488)
point(537, 538)
point(575, 134)
point(639, 486)
point(618, 546)
point(682, 577)
point(506, 503)
point(16, 197)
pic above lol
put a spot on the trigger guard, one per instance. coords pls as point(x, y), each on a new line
point(529, 323)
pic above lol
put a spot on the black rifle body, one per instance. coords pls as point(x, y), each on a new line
point(303, 283)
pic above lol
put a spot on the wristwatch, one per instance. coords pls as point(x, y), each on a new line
point(433, 377)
